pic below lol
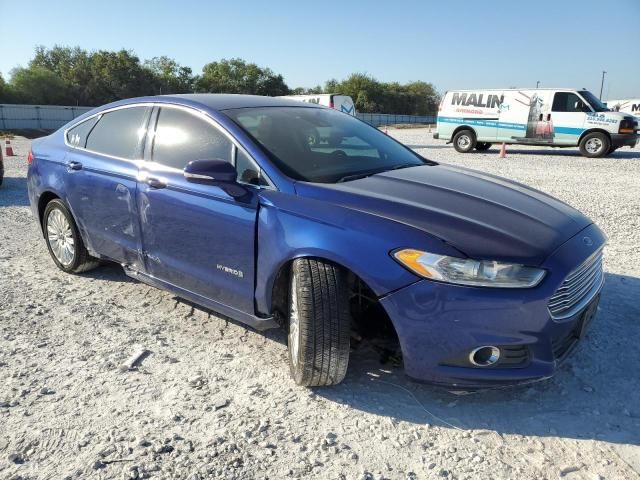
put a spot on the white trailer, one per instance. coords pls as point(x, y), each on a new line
point(342, 103)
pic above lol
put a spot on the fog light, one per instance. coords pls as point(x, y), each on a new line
point(484, 356)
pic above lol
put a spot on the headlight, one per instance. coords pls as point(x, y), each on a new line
point(464, 271)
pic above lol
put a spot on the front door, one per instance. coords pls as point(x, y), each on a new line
point(195, 236)
point(568, 114)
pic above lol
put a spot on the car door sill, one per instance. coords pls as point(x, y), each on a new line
point(258, 323)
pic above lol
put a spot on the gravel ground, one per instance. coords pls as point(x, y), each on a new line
point(213, 399)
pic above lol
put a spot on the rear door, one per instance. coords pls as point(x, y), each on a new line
point(568, 114)
point(102, 175)
point(196, 236)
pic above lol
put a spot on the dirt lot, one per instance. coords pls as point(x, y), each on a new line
point(214, 399)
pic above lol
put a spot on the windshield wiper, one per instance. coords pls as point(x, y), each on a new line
point(357, 176)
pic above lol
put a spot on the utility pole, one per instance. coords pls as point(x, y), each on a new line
point(602, 83)
point(537, 83)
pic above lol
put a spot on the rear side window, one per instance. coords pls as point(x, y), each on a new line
point(77, 136)
point(181, 137)
point(568, 102)
point(119, 133)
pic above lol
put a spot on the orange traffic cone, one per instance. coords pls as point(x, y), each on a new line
point(503, 151)
point(8, 149)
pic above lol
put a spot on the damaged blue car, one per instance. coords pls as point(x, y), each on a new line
point(279, 213)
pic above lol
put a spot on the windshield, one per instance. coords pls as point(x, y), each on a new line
point(322, 145)
point(597, 105)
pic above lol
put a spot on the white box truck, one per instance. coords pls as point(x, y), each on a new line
point(342, 103)
point(554, 117)
point(630, 106)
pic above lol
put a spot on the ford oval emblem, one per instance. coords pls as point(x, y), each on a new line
point(587, 241)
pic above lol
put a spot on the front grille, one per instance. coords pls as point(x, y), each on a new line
point(578, 288)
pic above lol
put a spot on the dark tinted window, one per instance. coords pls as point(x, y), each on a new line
point(568, 102)
point(182, 137)
point(119, 133)
point(77, 136)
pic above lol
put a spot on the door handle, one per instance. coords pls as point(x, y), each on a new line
point(73, 165)
point(154, 182)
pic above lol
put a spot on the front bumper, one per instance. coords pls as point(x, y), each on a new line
point(624, 140)
point(438, 324)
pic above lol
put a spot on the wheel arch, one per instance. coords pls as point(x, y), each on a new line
point(282, 281)
point(593, 130)
point(463, 127)
point(43, 201)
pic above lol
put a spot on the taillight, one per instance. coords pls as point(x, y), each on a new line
point(30, 157)
point(331, 103)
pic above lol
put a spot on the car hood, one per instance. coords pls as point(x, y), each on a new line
point(481, 215)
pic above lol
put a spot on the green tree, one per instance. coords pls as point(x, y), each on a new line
point(38, 85)
point(238, 76)
point(170, 75)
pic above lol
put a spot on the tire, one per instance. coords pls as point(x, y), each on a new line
point(319, 323)
point(482, 146)
point(464, 141)
point(595, 145)
point(64, 241)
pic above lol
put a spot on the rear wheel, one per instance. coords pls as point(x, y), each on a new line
point(594, 145)
point(319, 323)
point(63, 240)
point(482, 146)
point(464, 141)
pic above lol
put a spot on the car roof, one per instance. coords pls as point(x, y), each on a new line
point(225, 101)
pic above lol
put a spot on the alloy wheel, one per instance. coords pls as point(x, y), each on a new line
point(60, 237)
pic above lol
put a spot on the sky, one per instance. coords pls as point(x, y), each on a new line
point(462, 44)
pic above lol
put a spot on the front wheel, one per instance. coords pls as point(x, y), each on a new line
point(64, 241)
point(595, 145)
point(319, 323)
point(464, 141)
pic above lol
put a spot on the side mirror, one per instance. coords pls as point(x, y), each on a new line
point(214, 171)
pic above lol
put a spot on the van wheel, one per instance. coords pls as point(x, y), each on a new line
point(64, 241)
point(483, 146)
point(594, 145)
point(464, 141)
point(319, 323)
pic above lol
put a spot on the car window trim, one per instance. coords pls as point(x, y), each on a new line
point(156, 106)
point(236, 146)
point(135, 161)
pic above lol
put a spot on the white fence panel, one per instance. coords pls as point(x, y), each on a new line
point(37, 117)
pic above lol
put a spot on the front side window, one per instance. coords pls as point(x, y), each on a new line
point(181, 137)
point(119, 133)
point(322, 145)
point(568, 102)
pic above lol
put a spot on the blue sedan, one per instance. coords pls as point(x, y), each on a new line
point(280, 213)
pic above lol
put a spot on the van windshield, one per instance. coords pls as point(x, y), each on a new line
point(595, 103)
point(321, 144)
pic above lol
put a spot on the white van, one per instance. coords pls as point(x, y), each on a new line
point(631, 106)
point(342, 103)
point(555, 117)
